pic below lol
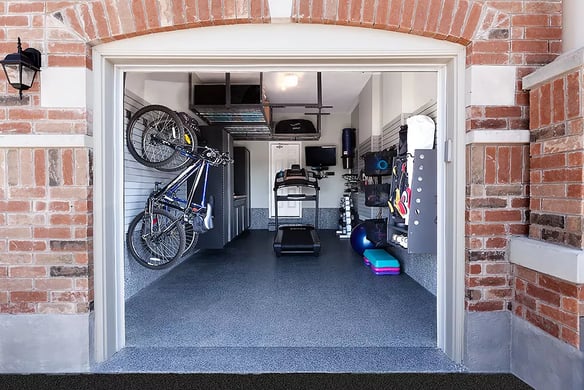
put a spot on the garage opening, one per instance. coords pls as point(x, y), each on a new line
point(231, 303)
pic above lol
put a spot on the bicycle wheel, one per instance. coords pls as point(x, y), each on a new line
point(146, 126)
point(191, 238)
point(156, 240)
point(179, 161)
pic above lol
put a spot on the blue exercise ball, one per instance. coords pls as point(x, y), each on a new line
point(359, 240)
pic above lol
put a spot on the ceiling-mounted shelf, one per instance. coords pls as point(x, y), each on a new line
point(244, 111)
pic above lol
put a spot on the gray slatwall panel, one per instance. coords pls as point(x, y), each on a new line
point(390, 132)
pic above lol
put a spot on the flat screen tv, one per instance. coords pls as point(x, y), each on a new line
point(320, 157)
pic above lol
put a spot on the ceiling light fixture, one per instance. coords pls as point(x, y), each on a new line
point(290, 80)
point(21, 67)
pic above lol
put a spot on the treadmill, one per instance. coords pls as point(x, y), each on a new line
point(296, 238)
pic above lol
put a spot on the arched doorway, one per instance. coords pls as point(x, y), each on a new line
point(313, 47)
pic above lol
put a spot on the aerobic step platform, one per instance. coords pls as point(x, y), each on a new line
point(381, 262)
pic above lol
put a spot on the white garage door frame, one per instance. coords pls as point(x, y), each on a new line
point(273, 47)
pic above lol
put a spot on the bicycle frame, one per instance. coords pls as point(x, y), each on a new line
point(167, 195)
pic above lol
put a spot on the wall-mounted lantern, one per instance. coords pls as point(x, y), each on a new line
point(21, 68)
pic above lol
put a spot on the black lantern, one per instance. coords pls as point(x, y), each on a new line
point(21, 68)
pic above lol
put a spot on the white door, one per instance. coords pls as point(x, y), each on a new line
point(282, 156)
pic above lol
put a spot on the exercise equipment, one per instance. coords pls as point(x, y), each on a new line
point(359, 240)
point(297, 238)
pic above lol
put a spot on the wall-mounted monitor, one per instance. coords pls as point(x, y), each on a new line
point(320, 157)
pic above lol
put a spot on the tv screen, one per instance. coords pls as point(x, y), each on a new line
point(320, 156)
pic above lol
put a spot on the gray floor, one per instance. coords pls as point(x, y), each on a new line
point(242, 309)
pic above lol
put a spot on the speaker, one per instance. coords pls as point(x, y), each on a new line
point(348, 138)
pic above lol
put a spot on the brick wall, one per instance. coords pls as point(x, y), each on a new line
point(496, 207)
point(45, 230)
point(557, 176)
point(520, 33)
point(551, 304)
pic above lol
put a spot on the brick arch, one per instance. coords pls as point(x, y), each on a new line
point(453, 20)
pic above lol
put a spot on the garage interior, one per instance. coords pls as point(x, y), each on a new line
point(234, 305)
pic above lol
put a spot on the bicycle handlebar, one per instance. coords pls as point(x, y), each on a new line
point(213, 156)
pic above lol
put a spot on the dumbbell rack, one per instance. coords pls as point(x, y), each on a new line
point(346, 216)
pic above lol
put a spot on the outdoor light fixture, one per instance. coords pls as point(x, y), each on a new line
point(21, 68)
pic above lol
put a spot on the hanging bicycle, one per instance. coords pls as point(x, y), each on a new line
point(170, 225)
point(176, 128)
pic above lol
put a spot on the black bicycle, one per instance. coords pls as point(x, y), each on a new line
point(159, 122)
point(170, 225)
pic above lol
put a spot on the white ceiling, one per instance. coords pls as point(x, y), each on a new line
point(339, 89)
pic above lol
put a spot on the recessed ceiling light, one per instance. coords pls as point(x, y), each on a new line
point(290, 80)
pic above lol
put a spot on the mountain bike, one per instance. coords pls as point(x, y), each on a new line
point(159, 122)
point(170, 226)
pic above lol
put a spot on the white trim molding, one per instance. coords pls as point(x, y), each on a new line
point(551, 259)
point(561, 65)
point(46, 141)
point(497, 137)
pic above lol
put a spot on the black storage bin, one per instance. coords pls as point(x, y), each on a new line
point(295, 126)
point(379, 163)
point(376, 195)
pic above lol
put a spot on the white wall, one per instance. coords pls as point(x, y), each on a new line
point(391, 92)
point(418, 88)
point(405, 92)
point(364, 112)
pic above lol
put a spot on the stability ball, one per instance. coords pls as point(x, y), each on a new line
point(359, 240)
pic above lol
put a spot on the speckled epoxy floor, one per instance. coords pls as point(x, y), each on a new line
point(242, 309)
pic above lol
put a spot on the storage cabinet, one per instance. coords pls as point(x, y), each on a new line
point(220, 186)
point(241, 191)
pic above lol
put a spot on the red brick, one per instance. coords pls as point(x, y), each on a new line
point(487, 281)
point(26, 8)
point(486, 229)
point(570, 337)
point(530, 20)
point(502, 215)
point(562, 287)
point(26, 246)
point(543, 323)
point(498, 268)
point(534, 109)
point(570, 305)
point(51, 232)
point(520, 285)
point(504, 165)
point(421, 16)
point(543, 33)
point(573, 95)
point(367, 14)
point(526, 274)
point(382, 14)
point(544, 105)
point(544, 295)
point(567, 319)
point(28, 296)
point(558, 100)
point(575, 191)
point(27, 271)
point(548, 161)
point(486, 306)
point(490, 164)
point(405, 24)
